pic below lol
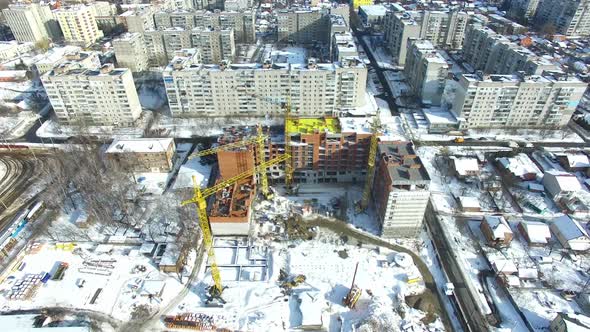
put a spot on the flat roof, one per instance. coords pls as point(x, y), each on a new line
point(403, 165)
point(312, 125)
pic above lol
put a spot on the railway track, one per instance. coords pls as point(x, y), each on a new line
point(19, 175)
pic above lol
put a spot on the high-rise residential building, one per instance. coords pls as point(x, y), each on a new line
point(104, 8)
point(568, 17)
point(518, 101)
point(58, 55)
point(343, 10)
point(31, 22)
point(426, 71)
point(523, 10)
point(104, 96)
point(343, 46)
point(130, 52)
point(78, 25)
point(139, 19)
point(400, 190)
point(194, 89)
point(492, 53)
point(243, 23)
point(445, 29)
point(303, 26)
point(214, 45)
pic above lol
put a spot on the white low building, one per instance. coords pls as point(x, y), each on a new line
point(559, 184)
point(570, 233)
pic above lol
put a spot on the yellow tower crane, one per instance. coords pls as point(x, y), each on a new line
point(288, 163)
point(259, 141)
point(199, 199)
point(375, 130)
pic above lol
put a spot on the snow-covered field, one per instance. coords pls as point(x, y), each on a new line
point(328, 265)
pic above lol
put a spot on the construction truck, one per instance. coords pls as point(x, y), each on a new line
point(290, 282)
point(354, 293)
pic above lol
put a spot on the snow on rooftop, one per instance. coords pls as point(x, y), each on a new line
point(569, 228)
point(374, 10)
point(578, 160)
point(565, 181)
point(469, 202)
point(464, 166)
point(537, 232)
point(498, 225)
point(520, 165)
point(141, 145)
point(171, 254)
point(503, 265)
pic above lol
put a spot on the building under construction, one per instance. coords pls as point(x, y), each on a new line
point(323, 150)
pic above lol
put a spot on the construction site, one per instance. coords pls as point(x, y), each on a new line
point(289, 238)
point(269, 264)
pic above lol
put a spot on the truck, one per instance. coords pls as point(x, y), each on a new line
point(459, 140)
point(60, 271)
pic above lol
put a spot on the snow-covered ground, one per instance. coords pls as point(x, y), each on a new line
point(328, 265)
point(52, 129)
point(195, 127)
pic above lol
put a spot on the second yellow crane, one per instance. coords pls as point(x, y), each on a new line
point(199, 199)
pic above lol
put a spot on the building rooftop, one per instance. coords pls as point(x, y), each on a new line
point(374, 10)
point(313, 125)
point(140, 145)
point(403, 165)
point(569, 228)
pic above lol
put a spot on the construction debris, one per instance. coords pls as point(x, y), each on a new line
point(190, 321)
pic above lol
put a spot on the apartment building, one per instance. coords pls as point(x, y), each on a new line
point(58, 55)
point(492, 53)
point(343, 46)
point(303, 26)
point(568, 17)
point(341, 9)
point(426, 71)
point(323, 150)
point(131, 52)
point(445, 29)
point(104, 96)
point(142, 154)
point(314, 89)
point(214, 45)
point(12, 49)
point(400, 190)
point(242, 23)
point(523, 10)
point(78, 25)
point(31, 22)
point(520, 101)
point(140, 19)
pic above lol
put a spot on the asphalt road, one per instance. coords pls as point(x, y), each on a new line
point(468, 307)
point(387, 96)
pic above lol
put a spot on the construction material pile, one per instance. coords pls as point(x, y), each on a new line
point(25, 288)
point(190, 321)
